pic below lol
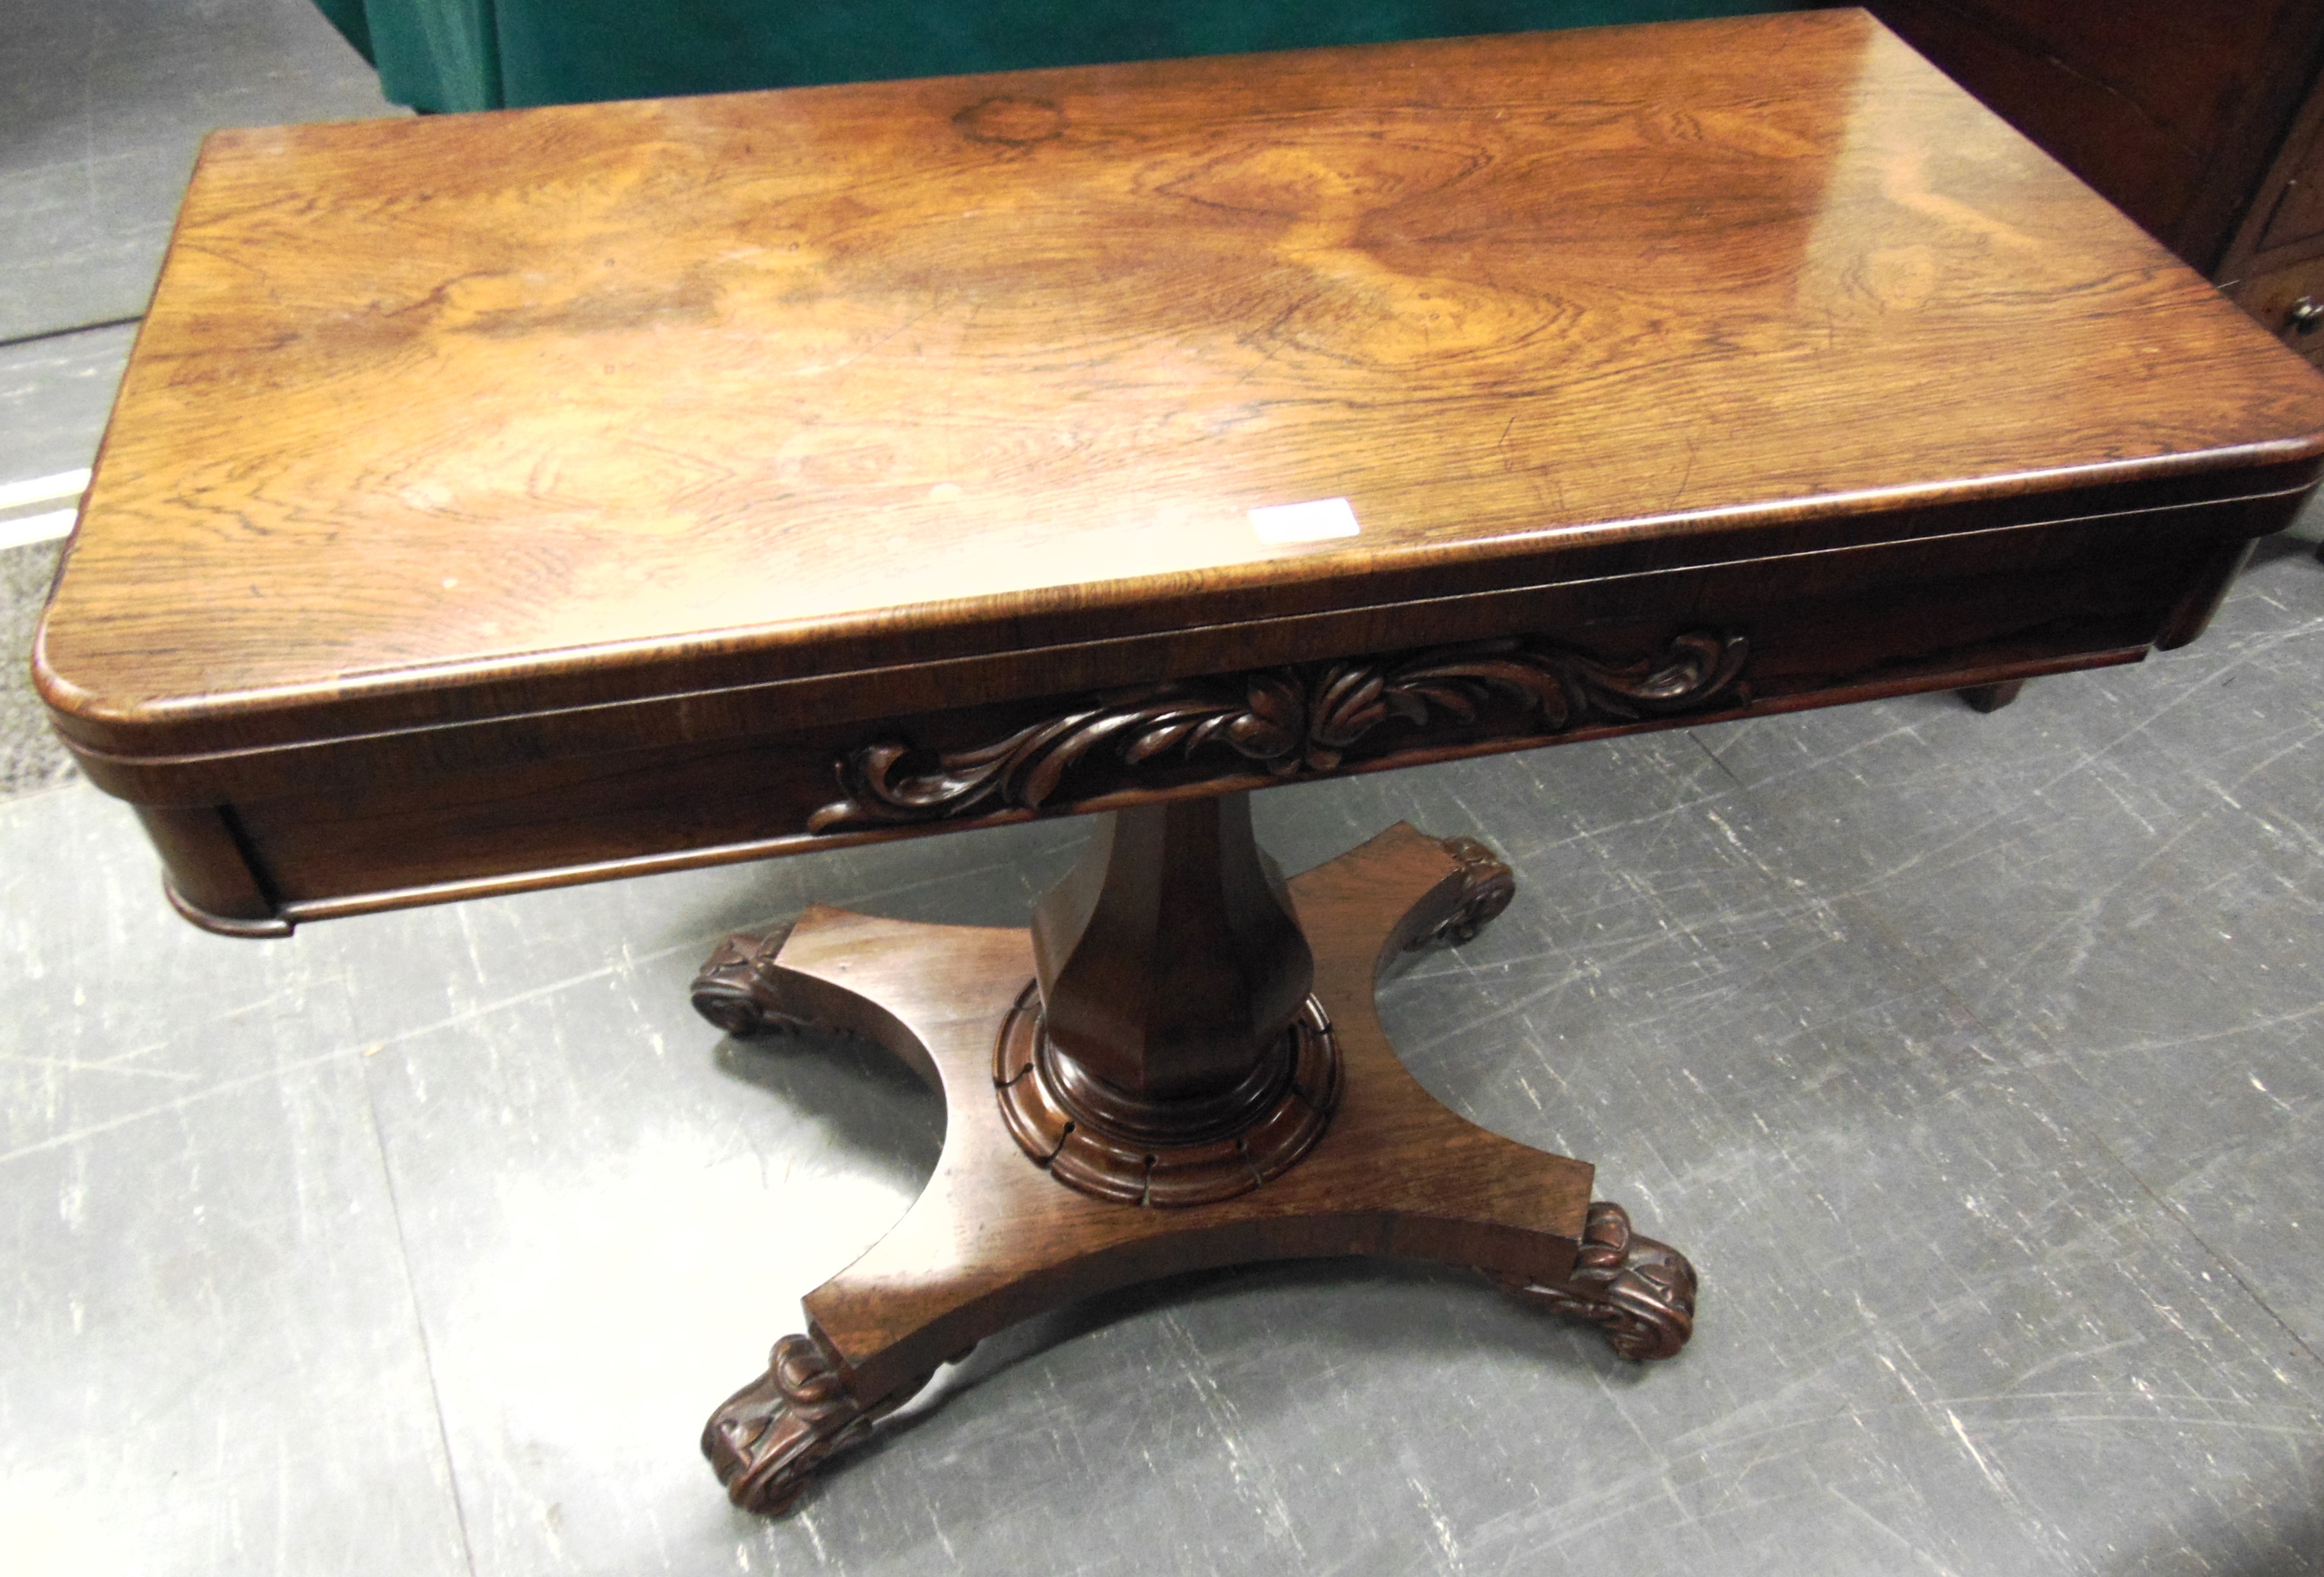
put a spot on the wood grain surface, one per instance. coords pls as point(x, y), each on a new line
point(461, 418)
point(993, 1239)
point(2172, 108)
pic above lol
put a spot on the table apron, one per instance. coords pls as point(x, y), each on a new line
point(373, 828)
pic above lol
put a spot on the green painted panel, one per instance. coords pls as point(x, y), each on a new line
point(479, 54)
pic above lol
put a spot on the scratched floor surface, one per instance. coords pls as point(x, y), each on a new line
point(1972, 1058)
point(103, 105)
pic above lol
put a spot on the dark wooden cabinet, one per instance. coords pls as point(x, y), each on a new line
point(2199, 118)
point(2274, 265)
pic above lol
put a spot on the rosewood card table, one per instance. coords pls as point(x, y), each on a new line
point(509, 500)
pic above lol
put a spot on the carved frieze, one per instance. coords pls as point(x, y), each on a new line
point(1291, 721)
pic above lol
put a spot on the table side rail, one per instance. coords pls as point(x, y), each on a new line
point(746, 681)
point(666, 722)
point(1819, 629)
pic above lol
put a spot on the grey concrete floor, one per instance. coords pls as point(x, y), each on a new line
point(1973, 1059)
point(103, 105)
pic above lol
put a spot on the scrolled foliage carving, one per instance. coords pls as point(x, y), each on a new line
point(767, 1440)
point(1640, 1293)
point(1292, 721)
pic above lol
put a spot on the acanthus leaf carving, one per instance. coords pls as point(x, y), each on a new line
point(1291, 721)
point(1639, 1292)
point(767, 1440)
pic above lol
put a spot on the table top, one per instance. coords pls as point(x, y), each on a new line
point(454, 417)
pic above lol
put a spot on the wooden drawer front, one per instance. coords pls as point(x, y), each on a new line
point(2280, 298)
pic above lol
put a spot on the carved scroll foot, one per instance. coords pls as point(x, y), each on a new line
point(767, 1440)
point(1487, 887)
point(1641, 1291)
point(738, 989)
point(993, 1239)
